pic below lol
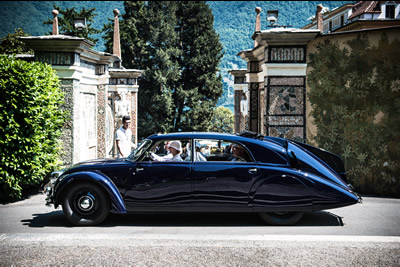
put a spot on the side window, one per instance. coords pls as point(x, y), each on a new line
point(220, 150)
point(390, 10)
point(169, 150)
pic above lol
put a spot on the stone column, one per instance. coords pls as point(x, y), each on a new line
point(241, 100)
point(256, 84)
point(318, 16)
point(116, 41)
point(55, 22)
point(101, 121)
point(258, 23)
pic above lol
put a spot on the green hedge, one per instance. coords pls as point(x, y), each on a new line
point(355, 96)
point(30, 124)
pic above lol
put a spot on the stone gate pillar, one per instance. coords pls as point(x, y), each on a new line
point(122, 97)
point(276, 71)
point(241, 109)
point(255, 94)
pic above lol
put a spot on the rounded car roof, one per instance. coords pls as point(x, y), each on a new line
point(214, 135)
point(207, 135)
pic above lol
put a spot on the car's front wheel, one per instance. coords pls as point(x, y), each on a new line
point(85, 203)
point(281, 218)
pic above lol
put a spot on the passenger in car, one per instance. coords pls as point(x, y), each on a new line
point(197, 154)
point(239, 154)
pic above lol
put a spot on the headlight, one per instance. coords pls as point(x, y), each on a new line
point(54, 176)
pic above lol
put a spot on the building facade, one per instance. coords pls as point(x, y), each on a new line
point(98, 92)
point(275, 81)
point(357, 16)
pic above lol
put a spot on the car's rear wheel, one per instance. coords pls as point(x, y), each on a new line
point(85, 203)
point(281, 218)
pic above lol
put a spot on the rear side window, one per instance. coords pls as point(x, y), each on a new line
point(268, 153)
point(212, 150)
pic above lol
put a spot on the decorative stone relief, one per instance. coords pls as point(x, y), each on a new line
point(55, 58)
point(129, 81)
point(101, 121)
point(254, 107)
point(294, 133)
point(286, 54)
point(286, 100)
point(285, 107)
point(122, 106)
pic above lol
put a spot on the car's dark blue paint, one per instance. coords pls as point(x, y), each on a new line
point(223, 185)
point(118, 205)
point(159, 184)
point(284, 176)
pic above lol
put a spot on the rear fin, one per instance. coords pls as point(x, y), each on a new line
point(332, 160)
point(278, 140)
point(251, 135)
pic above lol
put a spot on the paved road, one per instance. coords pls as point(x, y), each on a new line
point(364, 234)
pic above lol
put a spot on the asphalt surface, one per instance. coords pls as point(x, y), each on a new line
point(366, 234)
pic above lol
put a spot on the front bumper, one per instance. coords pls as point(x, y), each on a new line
point(49, 187)
point(48, 191)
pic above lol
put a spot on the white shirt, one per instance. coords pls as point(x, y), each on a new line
point(125, 139)
point(167, 157)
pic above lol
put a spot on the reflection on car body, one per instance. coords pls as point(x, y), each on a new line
point(275, 177)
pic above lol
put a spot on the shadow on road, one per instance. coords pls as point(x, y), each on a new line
point(51, 219)
point(57, 219)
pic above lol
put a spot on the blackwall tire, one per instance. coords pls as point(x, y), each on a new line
point(281, 218)
point(85, 203)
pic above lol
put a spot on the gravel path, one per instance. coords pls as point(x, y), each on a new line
point(28, 250)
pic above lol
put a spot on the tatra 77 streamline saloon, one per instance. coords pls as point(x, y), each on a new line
point(205, 172)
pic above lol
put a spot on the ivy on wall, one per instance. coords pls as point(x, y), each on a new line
point(355, 98)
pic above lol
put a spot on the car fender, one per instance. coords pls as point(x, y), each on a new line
point(118, 205)
point(281, 192)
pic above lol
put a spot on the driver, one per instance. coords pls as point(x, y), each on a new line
point(175, 149)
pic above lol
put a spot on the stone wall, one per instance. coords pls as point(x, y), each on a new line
point(101, 121)
point(67, 87)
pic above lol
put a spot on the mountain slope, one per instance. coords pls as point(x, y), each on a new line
point(234, 21)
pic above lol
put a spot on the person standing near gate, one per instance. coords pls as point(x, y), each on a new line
point(123, 138)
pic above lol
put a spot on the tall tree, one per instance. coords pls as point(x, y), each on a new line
point(66, 22)
point(199, 85)
point(176, 46)
point(161, 69)
point(135, 34)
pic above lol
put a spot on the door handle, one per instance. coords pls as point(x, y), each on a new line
point(253, 170)
point(139, 169)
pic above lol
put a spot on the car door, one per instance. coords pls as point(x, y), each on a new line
point(159, 185)
point(220, 183)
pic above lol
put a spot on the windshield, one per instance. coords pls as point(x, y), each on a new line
point(139, 150)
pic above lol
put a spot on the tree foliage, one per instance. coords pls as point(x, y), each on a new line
point(30, 124)
point(200, 85)
point(223, 120)
point(12, 45)
point(176, 46)
point(355, 96)
point(66, 22)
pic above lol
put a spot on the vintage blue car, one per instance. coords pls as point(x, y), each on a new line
point(278, 178)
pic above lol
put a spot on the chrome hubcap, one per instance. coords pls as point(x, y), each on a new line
point(86, 202)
